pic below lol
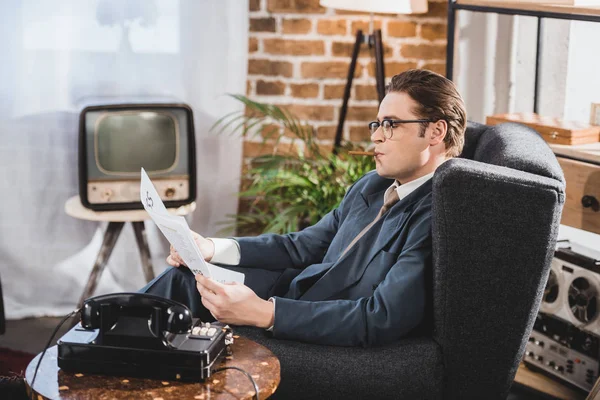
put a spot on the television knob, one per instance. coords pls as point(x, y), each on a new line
point(107, 194)
point(170, 192)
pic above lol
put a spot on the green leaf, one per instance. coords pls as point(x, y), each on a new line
point(288, 191)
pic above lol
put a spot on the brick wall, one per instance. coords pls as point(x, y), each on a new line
point(299, 55)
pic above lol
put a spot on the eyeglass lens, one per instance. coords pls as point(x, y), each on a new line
point(387, 127)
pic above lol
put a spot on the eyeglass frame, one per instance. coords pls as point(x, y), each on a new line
point(394, 122)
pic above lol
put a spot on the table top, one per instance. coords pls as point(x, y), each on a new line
point(74, 208)
point(53, 383)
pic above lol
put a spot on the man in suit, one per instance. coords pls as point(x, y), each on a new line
point(360, 275)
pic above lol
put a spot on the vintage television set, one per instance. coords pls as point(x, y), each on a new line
point(117, 139)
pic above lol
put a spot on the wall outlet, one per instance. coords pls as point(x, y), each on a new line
point(595, 114)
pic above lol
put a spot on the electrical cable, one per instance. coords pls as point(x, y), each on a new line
point(48, 345)
point(245, 373)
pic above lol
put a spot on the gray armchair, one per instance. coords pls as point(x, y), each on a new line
point(496, 216)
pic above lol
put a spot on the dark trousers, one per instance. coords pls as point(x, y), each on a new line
point(179, 284)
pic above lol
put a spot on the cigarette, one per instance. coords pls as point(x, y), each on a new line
point(361, 153)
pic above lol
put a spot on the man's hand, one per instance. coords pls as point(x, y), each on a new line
point(235, 303)
point(206, 246)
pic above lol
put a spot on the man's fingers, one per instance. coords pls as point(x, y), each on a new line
point(210, 284)
point(176, 258)
point(172, 262)
point(206, 293)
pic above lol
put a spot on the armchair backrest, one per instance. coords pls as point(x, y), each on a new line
point(496, 214)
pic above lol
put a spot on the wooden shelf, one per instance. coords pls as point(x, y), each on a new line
point(584, 152)
point(544, 384)
point(539, 7)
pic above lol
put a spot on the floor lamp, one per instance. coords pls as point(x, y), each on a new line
point(373, 40)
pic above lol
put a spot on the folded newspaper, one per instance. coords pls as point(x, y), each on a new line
point(178, 233)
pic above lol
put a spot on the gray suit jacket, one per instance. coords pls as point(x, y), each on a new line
point(373, 294)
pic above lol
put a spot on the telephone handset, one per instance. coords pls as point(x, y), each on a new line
point(135, 315)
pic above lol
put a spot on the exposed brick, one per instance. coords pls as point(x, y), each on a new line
point(392, 68)
point(262, 24)
point(436, 10)
point(248, 88)
point(270, 131)
point(360, 133)
point(249, 112)
point(294, 47)
point(267, 67)
point(310, 113)
point(363, 114)
point(424, 51)
point(333, 91)
point(273, 131)
point(306, 128)
point(296, 26)
point(344, 49)
point(255, 149)
point(401, 29)
point(331, 27)
point(438, 68)
point(351, 12)
point(252, 45)
point(270, 87)
point(363, 26)
point(295, 6)
point(326, 132)
point(254, 5)
point(305, 90)
point(332, 69)
point(366, 92)
point(324, 149)
point(433, 31)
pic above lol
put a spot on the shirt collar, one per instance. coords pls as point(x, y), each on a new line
point(409, 187)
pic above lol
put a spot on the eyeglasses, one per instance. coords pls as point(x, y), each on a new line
point(388, 125)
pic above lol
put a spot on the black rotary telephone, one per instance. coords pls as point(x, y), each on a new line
point(138, 334)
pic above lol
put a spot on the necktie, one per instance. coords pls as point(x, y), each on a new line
point(391, 199)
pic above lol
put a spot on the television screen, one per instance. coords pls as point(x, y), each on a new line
point(127, 141)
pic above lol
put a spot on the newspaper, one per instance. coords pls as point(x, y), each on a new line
point(178, 233)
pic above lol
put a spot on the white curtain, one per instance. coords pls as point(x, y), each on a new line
point(56, 52)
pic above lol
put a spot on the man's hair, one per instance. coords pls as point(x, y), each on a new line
point(437, 98)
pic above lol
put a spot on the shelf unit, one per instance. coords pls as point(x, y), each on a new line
point(540, 11)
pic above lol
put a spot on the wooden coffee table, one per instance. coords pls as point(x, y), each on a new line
point(53, 383)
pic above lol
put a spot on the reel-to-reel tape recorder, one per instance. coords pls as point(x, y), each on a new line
point(565, 341)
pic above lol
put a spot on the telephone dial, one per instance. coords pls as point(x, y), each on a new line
point(138, 334)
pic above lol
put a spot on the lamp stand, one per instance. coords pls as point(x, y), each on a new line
point(373, 41)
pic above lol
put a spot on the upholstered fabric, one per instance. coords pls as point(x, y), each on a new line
point(496, 214)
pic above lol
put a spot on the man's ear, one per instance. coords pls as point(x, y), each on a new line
point(438, 131)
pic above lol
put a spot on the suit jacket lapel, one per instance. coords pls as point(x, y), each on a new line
point(350, 268)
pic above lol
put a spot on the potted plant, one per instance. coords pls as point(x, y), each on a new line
point(290, 190)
